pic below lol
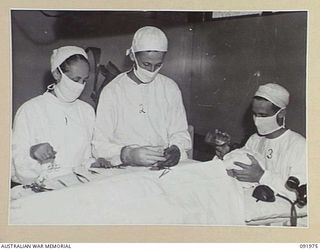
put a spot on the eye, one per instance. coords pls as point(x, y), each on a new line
point(76, 79)
point(261, 115)
point(146, 64)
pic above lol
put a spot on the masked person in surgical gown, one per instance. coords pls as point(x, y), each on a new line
point(52, 132)
point(141, 120)
point(283, 150)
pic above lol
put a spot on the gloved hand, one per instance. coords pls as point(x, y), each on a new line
point(222, 150)
point(43, 153)
point(250, 172)
point(141, 156)
point(264, 193)
point(101, 163)
point(221, 140)
point(172, 155)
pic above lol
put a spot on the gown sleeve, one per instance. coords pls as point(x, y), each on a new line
point(103, 146)
point(178, 126)
point(24, 168)
point(89, 120)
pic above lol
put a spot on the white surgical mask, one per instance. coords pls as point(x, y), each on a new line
point(267, 125)
point(66, 89)
point(144, 75)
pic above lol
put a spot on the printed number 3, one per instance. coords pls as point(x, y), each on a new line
point(270, 152)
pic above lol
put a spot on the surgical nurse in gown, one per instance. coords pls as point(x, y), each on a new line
point(141, 120)
point(52, 132)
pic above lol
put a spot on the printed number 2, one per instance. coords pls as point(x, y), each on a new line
point(270, 152)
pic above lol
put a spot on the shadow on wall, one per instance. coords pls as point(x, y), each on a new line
point(201, 150)
point(50, 26)
point(47, 80)
point(247, 125)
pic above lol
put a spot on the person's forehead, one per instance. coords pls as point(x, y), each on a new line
point(78, 68)
point(262, 106)
point(150, 55)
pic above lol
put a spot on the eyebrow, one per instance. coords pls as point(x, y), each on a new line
point(76, 78)
point(156, 64)
point(79, 77)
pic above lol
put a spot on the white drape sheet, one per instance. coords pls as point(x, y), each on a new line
point(191, 193)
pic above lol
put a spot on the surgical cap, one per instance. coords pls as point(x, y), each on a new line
point(274, 93)
point(149, 38)
point(61, 54)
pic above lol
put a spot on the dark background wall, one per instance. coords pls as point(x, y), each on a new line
point(35, 35)
point(233, 57)
point(217, 64)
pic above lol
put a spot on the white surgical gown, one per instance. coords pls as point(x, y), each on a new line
point(140, 114)
point(67, 127)
point(284, 156)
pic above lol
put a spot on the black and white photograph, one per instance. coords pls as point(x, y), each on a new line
point(153, 117)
